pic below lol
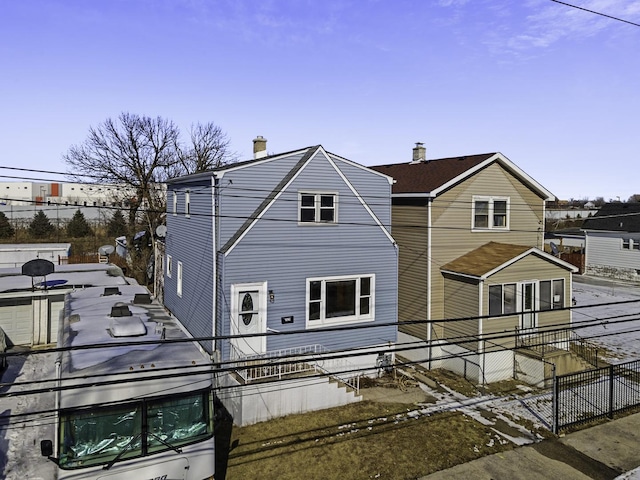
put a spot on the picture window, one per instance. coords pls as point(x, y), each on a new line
point(338, 300)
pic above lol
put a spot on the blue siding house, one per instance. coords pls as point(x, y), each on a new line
point(284, 256)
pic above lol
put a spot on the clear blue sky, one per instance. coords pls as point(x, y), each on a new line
point(555, 89)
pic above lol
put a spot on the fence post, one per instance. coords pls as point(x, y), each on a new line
point(555, 401)
point(611, 392)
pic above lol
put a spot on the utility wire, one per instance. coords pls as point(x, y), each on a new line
point(597, 13)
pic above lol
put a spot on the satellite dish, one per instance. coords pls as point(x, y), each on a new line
point(106, 250)
point(554, 249)
point(38, 268)
point(51, 283)
point(161, 231)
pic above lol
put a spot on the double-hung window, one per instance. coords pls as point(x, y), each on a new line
point(631, 244)
point(338, 300)
point(490, 213)
point(318, 207)
point(187, 203)
point(551, 294)
point(502, 299)
point(175, 202)
point(179, 282)
point(169, 266)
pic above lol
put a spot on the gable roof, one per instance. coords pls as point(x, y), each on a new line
point(431, 177)
point(491, 257)
point(288, 178)
point(219, 172)
point(269, 198)
point(615, 217)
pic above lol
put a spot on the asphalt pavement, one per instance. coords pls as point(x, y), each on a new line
point(600, 452)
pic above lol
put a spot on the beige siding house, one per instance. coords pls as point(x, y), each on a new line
point(472, 272)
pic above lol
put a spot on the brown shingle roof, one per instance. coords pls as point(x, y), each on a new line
point(484, 259)
point(424, 177)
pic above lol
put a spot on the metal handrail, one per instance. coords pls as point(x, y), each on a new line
point(292, 361)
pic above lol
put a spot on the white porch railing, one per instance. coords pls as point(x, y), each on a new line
point(292, 361)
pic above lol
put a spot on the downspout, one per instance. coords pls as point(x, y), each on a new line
point(214, 246)
point(429, 327)
point(481, 343)
point(542, 229)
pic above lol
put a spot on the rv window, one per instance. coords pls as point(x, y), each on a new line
point(96, 437)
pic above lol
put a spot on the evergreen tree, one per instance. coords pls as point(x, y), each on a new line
point(40, 226)
point(117, 226)
point(78, 226)
point(6, 229)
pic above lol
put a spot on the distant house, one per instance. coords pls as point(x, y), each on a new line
point(282, 258)
point(16, 254)
point(470, 231)
point(612, 238)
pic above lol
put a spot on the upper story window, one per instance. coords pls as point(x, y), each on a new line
point(169, 266)
point(175, 202)
point(339, 300)
point(318, 207)
point(187, 203)
point(490, 213)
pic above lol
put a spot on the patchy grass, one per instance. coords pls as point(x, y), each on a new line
point(358, 441)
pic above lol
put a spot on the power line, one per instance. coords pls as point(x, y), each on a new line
point(597, 13)
point(495, 348)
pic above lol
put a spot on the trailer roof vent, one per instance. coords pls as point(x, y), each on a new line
point(127, 327)
point(142, 299)
point(120, 310)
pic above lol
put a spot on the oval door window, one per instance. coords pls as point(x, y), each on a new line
point(247, 309)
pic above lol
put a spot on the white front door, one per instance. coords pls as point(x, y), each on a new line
point(528, 317)
point(249, 316)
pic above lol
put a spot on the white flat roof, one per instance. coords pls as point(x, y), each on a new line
point(21, 247)
point(148, 369)
point(65, 277)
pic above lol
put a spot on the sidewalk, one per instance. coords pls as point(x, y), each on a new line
point(601, 452)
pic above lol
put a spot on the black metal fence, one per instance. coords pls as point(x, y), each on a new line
point(583, 397)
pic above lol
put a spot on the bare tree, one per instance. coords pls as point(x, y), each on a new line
point(208, 148)
point(140, 153)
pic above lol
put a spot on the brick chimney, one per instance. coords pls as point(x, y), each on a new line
point(259, 147)
point(419, 153)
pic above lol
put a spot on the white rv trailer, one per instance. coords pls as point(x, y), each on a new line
point(139, 406)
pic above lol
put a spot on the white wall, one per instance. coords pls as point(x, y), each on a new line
point(253, 403)
point(606, 257)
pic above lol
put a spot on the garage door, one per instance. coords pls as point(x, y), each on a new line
point(16, 319)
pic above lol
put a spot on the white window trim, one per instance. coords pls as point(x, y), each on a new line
point(175, 203)
point(187, 203)
point(502, 295)
point(490, 200)
point(357, 318)
point(317, 195)
point(552, 296)
point(169, 265)
point(179, 282)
